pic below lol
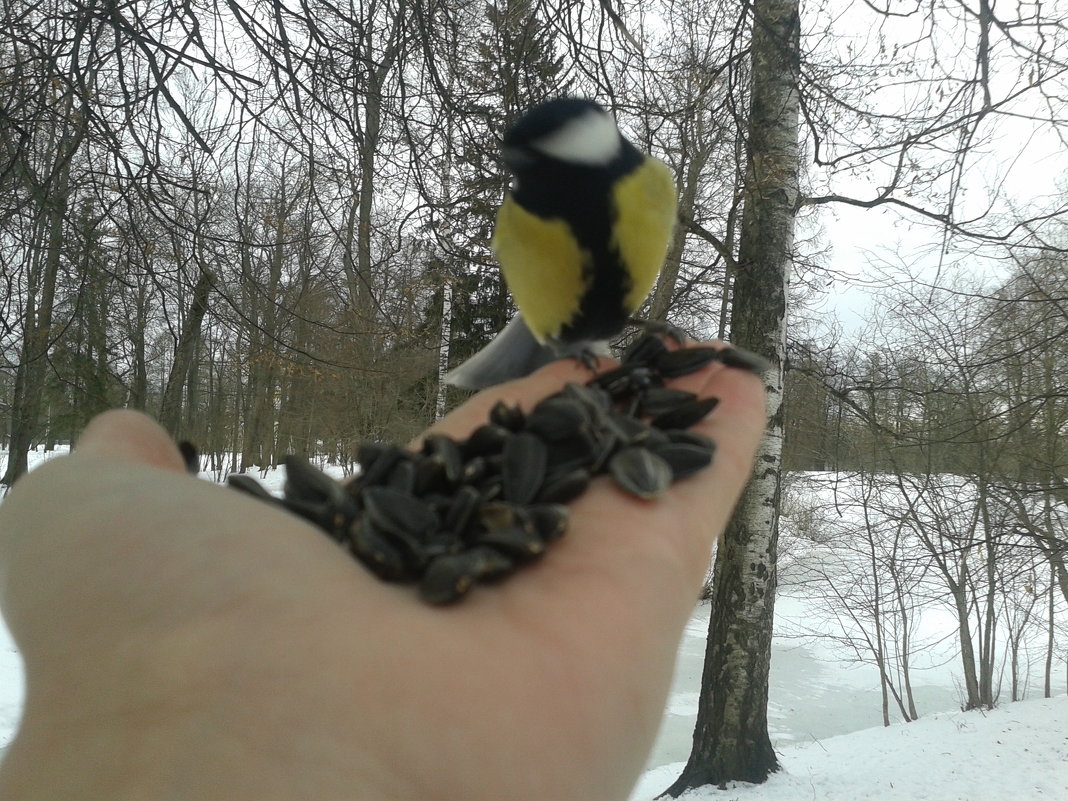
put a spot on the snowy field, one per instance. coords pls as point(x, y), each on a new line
point(825, 722)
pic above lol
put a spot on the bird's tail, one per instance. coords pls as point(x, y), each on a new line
point(513, 353)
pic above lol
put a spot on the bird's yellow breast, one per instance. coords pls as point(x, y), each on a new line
point(547, 270)
point(544, 266)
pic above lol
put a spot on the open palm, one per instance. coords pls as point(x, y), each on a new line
point(185, 641)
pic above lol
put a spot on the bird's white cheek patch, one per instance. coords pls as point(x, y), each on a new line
point(591, 139)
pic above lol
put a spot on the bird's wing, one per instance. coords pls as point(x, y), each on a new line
point(646, 202)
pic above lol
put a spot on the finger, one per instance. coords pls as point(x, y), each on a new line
point(131, 437)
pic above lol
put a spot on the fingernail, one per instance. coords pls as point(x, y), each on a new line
point(733, 356)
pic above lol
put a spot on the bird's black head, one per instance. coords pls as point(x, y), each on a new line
point(568, 130)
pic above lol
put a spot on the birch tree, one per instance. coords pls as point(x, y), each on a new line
point(731, 739)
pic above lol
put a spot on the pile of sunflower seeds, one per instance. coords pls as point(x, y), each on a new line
point(460, 513)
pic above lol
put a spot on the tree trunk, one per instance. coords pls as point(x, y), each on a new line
point(37, 334)
point(972, 698)
point(731, 739)
point(170, 410)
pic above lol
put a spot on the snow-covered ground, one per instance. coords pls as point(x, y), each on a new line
point(825, 722)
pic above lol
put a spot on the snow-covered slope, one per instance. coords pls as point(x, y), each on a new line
point(1018, 752)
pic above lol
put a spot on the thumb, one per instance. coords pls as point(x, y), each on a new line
point(130, 437)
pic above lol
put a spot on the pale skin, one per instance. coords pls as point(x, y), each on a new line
point(183, 641)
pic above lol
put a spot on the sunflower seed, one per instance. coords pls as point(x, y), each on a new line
point(580, 450)
point(451, 576)
point(516, 542)
point(190, 456)
point(523, 468)
point(474, 470)
point(402, 477)
point(384, 459)
point(686, 360)
point(591, 397)
point(564, 487)
point(398, 512)
point(644, 350)
point(448, 452)
point(556, 418)
point(628, 430)
point(249, 485)
point(497, 515)
point(692, 437)
point(305, 482)
point(326, 516)
point(640, 472)
point(657, 400)
point(486, 439)
point(617, 382)
point(429, 474)
point(744, 359)
point(510, 417)
point(685, 414)
point(461, 509)
point(549, 520)
point(685, 458)
point(384, 557)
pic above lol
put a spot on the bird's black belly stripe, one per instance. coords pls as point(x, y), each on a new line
point(582, 197)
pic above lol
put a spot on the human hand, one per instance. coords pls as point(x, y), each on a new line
point(184, 641)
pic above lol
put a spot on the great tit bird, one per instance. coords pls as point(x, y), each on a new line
point(580, 238)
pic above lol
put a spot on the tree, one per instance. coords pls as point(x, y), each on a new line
point(731, 739)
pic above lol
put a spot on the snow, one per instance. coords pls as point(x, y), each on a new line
point(824, 716)
point(1017, 752)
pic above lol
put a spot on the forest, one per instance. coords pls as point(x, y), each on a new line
point(267, 225)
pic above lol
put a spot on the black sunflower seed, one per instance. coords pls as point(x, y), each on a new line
point(249, 485)
point(685, 414)
point(402, 477)
point(617, 383)
point(497, 515)
point(591, 397)
point(305, 482)
point(510, 417)
point(640, 472)
point(686, 360)
point(326, 516)
point(556, 418)
point(486, 439)
point(461, 509)
point(474, 470)
point(565, 486)
point(385, 458)
point(744, 359)
point(190, 456)
point(429, 474)
point(517, 542)
point(451, 576)
point(398, 512)
point(679, 435)
point(657, 400)
point(381, 554)
point(523, 467)
point(644, 349)
point(581, 450)
point(685, 458)
point(448, 452)
point(628, 430)
point(549, 520)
